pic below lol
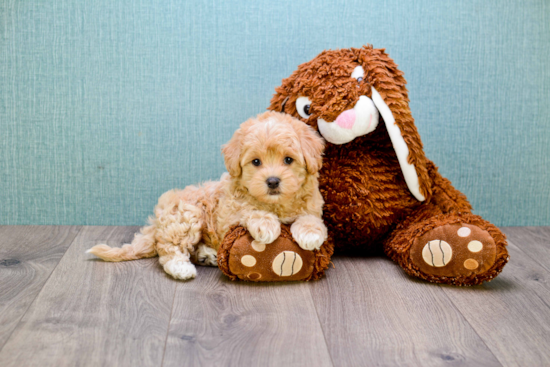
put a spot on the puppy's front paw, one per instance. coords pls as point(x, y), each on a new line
point(310, 233)
point(180, 269)
point(206, 256)
point(265, 229)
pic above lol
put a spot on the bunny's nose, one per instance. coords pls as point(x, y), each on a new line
point(273, 182)
point(346, 119)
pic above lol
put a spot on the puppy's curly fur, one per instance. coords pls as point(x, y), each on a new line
point(273, 162)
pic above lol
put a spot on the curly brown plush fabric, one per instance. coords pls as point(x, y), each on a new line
point(368, 203)
point(232, 235)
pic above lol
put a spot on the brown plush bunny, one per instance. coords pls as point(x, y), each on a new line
point(379, 188)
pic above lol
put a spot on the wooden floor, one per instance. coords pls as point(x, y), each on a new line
point(61, 307)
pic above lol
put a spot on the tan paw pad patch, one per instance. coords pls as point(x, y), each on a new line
point(254, 276)
point(437, 253)
point(257, 246)
point(248, 260)
point(287, 263)
point(475, 246)
point(464, 231)
point(471, 264)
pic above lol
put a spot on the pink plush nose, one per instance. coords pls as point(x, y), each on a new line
point(346, 119)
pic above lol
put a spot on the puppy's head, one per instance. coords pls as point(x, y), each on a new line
point(272, 155)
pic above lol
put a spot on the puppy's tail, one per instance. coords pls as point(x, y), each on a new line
point(143, 245)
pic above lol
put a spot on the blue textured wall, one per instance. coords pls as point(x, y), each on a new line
point(106, 104)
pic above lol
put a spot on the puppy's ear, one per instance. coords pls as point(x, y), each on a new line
point(312, 146)
point(232, 154)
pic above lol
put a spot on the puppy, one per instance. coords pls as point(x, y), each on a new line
point(273, 162)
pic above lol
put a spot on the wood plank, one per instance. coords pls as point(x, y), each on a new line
point(374, 314)
point(216, 322)
point(533, 241)
point(95, 313)
point(28, 255)
point(511, 313)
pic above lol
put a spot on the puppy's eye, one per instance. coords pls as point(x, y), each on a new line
point(288, 160)
point(256, 162)
point(303, 106)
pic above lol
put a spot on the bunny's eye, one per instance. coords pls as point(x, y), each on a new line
point(358, 73)
point(303, 106)
point(256, 162)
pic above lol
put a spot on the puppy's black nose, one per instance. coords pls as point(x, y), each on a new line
point(273, 182)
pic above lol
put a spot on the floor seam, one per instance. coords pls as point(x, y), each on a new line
point(442, 287)
point(169, 323)
point(41, 289)
point(321, 325)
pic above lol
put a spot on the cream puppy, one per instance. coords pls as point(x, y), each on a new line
point(273, 162)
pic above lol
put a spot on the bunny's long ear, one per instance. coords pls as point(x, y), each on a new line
point(390, 97)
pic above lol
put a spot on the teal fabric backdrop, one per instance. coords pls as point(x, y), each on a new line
point(104, 104)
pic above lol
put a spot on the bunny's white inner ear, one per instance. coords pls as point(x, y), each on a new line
point(399, 145)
